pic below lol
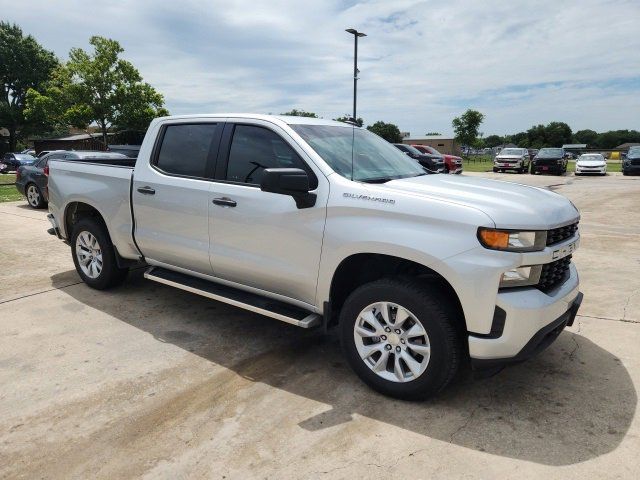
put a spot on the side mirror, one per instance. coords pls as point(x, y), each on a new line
point(289, 181)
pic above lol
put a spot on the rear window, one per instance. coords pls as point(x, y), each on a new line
point(185, 149)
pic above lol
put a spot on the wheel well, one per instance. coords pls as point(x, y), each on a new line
point(75, 212)
point(363, 268)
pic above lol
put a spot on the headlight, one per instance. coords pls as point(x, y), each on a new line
point(521, 276)
point(512, 241)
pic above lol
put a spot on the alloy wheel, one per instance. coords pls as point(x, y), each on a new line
point(89, 254)
point(33, 196)
point(392, 342)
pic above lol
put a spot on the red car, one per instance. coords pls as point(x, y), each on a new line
point(452, 163)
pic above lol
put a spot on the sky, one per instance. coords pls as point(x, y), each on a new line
point(421, 64)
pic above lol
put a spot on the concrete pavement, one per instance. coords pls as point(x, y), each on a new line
point(150, 381)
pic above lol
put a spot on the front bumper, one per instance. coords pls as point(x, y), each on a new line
point(597, 170)
point(554, 168)
point(631, 169)
point(529, 316)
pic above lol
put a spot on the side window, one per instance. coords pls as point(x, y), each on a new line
point(185, 149)
point(255, 148)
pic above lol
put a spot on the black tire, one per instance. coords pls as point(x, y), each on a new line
point(110, 275)
point(36, 201)
point(495, 170)
point(430, 310)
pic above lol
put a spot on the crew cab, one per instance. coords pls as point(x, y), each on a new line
point(512, 159)
point(550, 160)
point(324, 224)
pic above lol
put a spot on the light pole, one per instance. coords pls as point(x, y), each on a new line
point(355, 34)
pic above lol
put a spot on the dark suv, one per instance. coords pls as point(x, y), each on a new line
point(435, 163)
point(549, 160)
point(631, 164)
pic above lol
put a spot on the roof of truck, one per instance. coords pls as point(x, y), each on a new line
point(259, 116)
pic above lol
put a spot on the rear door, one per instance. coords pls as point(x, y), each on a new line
point(171, 195)
point(260, 239)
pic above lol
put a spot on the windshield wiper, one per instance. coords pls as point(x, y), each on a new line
point(377, 180)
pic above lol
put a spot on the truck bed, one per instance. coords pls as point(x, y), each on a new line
point(104, 184)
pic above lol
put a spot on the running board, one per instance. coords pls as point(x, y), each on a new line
point(236, 297)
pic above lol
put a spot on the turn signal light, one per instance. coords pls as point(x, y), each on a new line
point(495, 239)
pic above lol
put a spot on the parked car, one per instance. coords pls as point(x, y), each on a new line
point(130, 151)
point(32, 180)
point(591, 163)
point(319, 223)
point(435, 163)
point(12, 161)
point(512, 159)
point(550, 160)
point(631, 164)
point(452, 163)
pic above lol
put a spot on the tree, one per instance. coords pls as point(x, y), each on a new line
point(24, 64)
point(347, 118)
point(493, 141)
point(300, 113)
point(585, 136)
point(99, 88)
point(466, 127)
point(388, 131)
point(558, 134)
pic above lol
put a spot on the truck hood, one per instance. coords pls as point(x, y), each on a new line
point(508, 157)
point(509, 205)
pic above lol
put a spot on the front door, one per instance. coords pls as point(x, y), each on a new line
point(260, 239)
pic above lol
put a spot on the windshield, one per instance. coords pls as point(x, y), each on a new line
point(591, 157)
point(551, 152)
point(430, 149)
point(24, 157)
point(511, 151)
point(372, 157)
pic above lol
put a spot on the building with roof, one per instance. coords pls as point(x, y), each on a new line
point(443, 144)
point(82, 141)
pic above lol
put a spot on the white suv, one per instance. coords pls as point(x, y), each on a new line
point(512, 159)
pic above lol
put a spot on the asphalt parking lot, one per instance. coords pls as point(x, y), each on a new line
point(149, 380)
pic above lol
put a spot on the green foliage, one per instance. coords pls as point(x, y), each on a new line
point(466, 127)
point(585, 136)
point(493, 141)
point(613, 138)
point(24, 64)
point(97, 87)
point(388, 131)
point(299, 113)
point(346, 118)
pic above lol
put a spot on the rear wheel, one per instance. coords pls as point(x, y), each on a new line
point(34, 196)
point(399, 339)
point(94, 255)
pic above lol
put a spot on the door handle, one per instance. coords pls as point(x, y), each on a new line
point(224, 202)
point(147, 190)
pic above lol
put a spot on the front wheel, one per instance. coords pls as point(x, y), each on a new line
point(399, 339)
point(94, 255)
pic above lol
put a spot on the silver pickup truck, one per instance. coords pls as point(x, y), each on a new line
point(320, 223)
